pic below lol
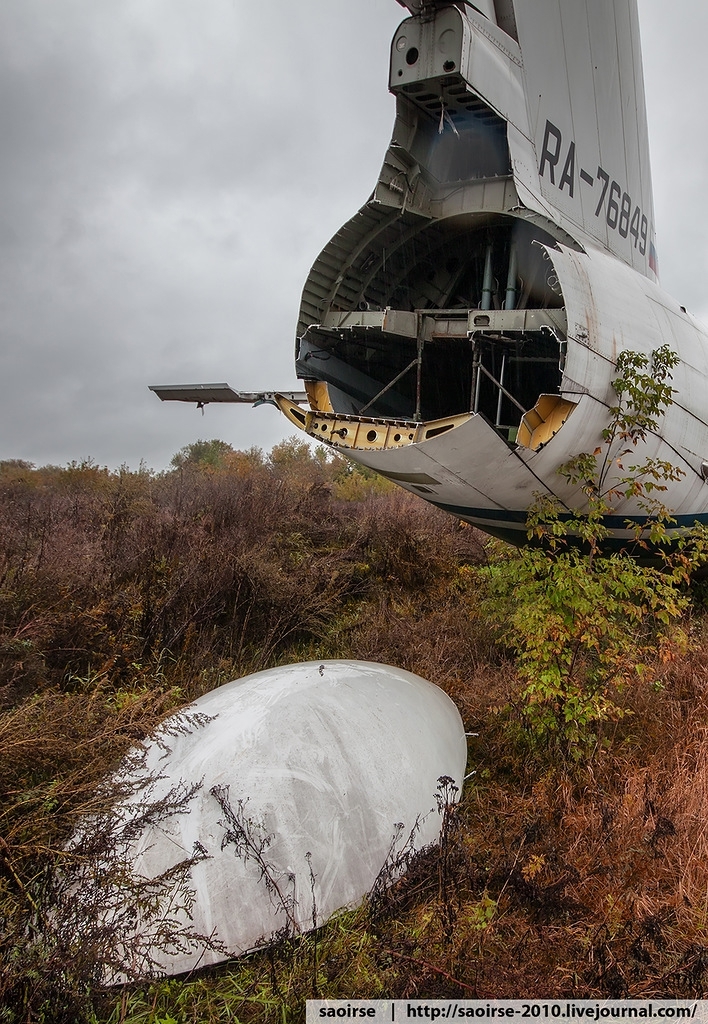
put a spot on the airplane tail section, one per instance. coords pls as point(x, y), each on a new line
point(442, 318)
point(549, 90)
point(449, 331)
point(587, 122)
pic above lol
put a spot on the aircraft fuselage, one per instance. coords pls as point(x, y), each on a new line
point(459, 334)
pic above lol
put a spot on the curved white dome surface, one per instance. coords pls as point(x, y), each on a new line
point(322, 760)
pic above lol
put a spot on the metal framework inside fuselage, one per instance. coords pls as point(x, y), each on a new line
point(460, 318)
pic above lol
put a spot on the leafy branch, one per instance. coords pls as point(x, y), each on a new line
point(586, 623)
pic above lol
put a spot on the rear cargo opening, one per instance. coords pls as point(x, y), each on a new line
point(462, 316)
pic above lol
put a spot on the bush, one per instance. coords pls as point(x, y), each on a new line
point(584, 622)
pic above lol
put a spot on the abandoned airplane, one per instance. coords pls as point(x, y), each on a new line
point(459, 334)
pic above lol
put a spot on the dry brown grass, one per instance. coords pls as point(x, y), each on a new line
point(124, 595)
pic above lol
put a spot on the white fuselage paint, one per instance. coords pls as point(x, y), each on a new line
point(610, 308)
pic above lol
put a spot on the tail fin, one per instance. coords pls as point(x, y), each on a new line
point(587, 119)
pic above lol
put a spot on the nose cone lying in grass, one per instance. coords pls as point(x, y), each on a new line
point(287, 794)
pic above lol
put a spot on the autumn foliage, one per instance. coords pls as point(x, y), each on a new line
point(124, 595)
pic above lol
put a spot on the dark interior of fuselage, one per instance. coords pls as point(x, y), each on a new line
point(445, 272)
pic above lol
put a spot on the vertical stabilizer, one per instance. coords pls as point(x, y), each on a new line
point(587, 123)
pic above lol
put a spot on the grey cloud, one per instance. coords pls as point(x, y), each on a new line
point(168, 173)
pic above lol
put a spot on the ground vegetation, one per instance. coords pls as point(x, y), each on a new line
point(125, 595)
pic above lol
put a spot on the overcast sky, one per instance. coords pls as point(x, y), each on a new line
point(169, 170)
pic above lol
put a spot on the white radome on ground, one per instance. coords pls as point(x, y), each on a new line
point(332, 764)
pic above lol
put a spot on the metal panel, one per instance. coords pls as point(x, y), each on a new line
point(203, 394)
point(518, 320)
point(391, 321)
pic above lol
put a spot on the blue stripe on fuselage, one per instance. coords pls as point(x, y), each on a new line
point(502, 523)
